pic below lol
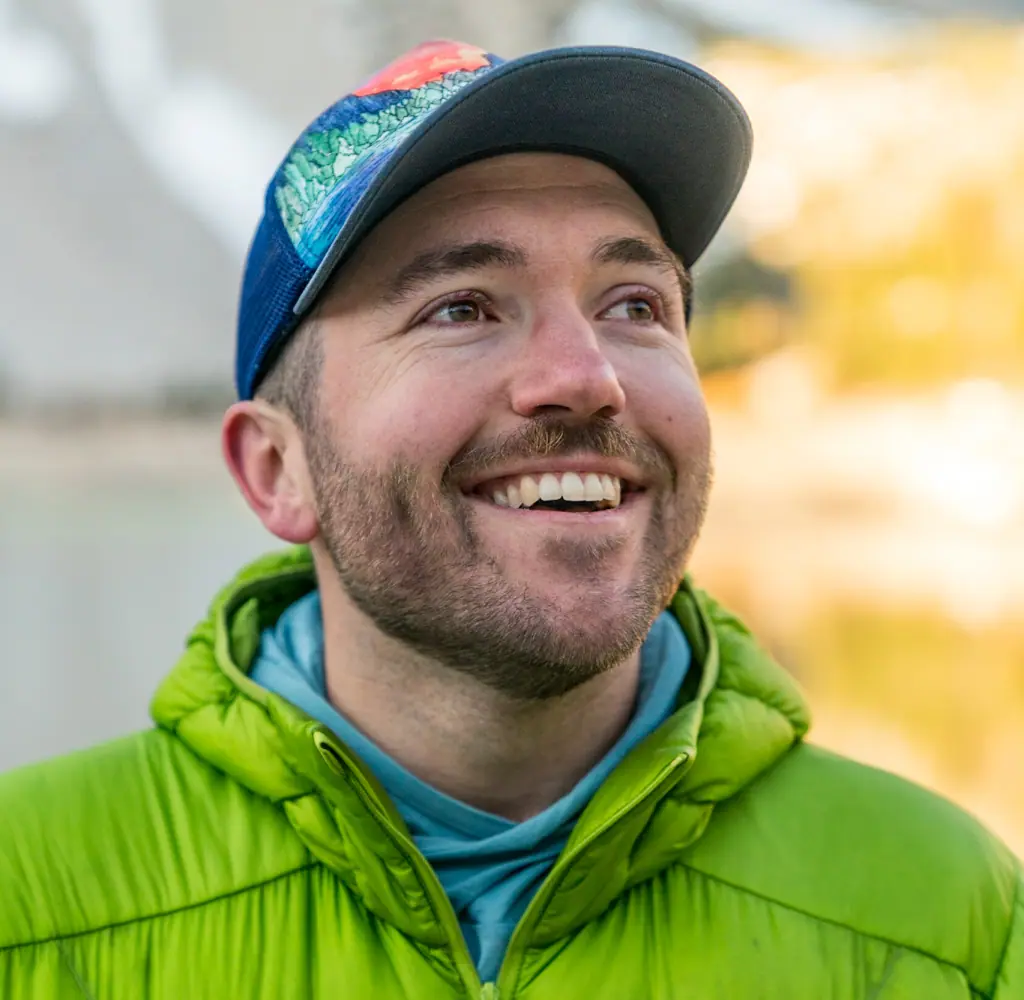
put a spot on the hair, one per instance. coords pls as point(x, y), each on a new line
point(292, 382)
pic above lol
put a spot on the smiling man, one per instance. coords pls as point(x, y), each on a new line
point(475, 734)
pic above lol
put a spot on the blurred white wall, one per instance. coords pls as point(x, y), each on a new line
point(136, 137)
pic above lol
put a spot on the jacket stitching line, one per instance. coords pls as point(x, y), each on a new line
point(255, 886)
point(79, 982)
point(1009, 936)
point(890, 966)
point(838, 923)
point(761, 699)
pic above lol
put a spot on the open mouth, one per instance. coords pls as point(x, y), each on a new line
point(572, 492)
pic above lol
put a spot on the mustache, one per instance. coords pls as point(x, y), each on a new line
point(549, 436)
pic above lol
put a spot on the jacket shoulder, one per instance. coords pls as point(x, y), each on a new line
point(128, 830)
point(855, 846)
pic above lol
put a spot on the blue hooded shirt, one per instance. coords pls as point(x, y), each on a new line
point(489, 866)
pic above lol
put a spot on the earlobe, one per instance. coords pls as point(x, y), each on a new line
point(264, 454)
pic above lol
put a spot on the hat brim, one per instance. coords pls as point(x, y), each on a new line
point(676, 135)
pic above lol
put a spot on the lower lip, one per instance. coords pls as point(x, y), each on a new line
point(565, 518)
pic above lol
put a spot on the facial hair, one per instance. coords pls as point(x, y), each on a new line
point(406, 551)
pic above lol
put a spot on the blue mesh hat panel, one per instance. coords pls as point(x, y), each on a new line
point(274, 279)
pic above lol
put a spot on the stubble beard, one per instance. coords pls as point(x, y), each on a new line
point(408, 556)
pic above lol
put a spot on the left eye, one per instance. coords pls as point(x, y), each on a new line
point(636, 309)
point(459, 311)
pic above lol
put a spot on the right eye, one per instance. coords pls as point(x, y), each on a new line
point(458, 310)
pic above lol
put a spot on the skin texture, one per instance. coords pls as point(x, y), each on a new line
point(493, 652)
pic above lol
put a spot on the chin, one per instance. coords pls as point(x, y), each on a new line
point(609, 605)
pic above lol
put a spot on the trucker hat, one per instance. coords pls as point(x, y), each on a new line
point(674, 133)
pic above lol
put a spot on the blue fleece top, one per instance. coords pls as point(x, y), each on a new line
point(489, 866)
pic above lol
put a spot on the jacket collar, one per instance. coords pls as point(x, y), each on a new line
point(745, 714)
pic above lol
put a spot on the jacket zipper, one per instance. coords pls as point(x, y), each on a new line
point(435, 891)
point(510, 963)
point(443, 906)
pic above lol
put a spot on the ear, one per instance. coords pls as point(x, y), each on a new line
point(264, 453)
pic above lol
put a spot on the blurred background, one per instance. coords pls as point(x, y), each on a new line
point(860, 328)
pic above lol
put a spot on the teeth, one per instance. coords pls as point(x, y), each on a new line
point(550, 487)
point(575, 487)
point(572, 487)
point(593, 490)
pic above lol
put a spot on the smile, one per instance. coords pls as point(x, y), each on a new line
point(570, 491)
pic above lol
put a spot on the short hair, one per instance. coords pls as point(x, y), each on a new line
point(292, 382)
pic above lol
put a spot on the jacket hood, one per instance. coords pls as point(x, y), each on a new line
point(746, 713)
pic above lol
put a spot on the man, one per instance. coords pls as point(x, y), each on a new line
point(473, 737)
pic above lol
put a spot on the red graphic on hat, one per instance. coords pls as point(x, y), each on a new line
point(426, 62)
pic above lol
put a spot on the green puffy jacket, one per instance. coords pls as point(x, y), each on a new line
point(238, 850)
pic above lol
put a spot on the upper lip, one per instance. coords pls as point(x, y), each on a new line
point(598, 464)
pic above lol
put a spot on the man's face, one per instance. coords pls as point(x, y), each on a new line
point(516, 327)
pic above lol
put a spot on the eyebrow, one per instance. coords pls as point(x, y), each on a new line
point(444, 262)
point(636, 250)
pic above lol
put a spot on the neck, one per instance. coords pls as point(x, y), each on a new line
point(505, 756)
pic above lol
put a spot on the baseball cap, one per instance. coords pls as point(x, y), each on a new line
point(674, 133)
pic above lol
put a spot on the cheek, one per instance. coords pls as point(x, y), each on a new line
point(666, 400)
point(685, 427)
point(422, 415)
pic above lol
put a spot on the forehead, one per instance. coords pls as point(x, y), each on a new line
point(515, 174)
point(532, 191)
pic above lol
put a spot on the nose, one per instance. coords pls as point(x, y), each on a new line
point(564, 367)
